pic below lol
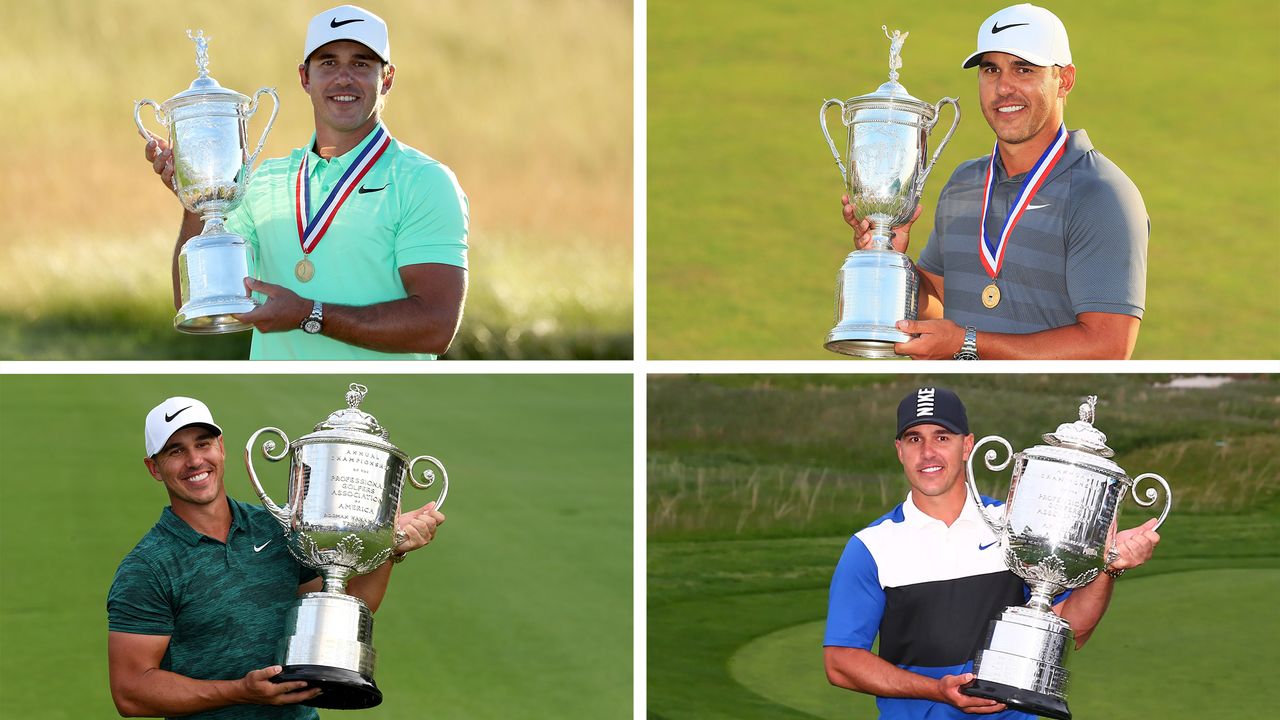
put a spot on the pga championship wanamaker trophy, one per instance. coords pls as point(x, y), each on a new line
point(340, 519)
point(884, 173)
point(211, 168)
point(1057, 533)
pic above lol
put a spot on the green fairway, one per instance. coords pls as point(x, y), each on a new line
point(520, 608)
point(744, 229)
point(756, 483)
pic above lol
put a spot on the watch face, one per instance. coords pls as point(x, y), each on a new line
point(311, 326)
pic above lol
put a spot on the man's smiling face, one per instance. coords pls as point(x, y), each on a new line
point(933, 458)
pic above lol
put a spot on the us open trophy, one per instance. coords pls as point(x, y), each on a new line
point(1057, 533)
point(211, 169)
point(884, 173)
point(340, 519)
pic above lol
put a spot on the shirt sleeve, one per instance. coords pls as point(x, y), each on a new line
point(856, 602)
point(436, 221)
point(1107, 233)
point(139, 601)
point(240, 222)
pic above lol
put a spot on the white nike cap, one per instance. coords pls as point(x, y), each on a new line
point(173, 415)
point(348, 22)
point(1032, 33)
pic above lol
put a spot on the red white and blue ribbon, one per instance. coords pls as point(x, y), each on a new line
point(993, 252)
point(309, 233)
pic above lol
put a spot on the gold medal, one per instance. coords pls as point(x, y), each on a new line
point(304, 270)
point(991, 296)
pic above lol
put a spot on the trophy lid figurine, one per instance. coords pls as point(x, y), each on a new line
point(345, 480)
point(1057, 533)
point(211, 169)
point(884, 172)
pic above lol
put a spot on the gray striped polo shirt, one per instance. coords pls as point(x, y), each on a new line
point(1081, 245)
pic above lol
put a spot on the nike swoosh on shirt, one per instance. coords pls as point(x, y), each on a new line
point(1037, 207)
point(258, 548)
point(984, 547)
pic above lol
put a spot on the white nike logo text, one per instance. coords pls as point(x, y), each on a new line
point(1036, 207)
point(258, 548)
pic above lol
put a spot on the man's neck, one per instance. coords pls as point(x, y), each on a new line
point(1021, 157)
point(331, 143)
point(212, 519)
point(942, 507)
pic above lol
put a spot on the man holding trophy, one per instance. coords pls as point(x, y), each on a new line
point(930, 576)
point(1042, 245)
point(198, 608)
point(359, 241)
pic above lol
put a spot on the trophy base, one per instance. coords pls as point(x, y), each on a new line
point(1019, 698)
point(865, 342)
point(874, 290)
point(341, 689)
point(213, 317)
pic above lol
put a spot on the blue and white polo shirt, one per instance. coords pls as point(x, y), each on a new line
point(929, 591)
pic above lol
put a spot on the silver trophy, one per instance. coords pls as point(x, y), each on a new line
point(884, 173)
point(1057, 533)
point(206, 124)
point(340, 519)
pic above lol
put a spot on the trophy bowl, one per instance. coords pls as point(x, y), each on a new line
point(1057, 533)
point(884, 171)
point(206, 128)
point(345, 481)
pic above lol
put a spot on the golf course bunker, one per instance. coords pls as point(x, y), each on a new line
point(1182, 640)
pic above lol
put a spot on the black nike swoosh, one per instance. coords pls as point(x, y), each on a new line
point(995, 27)
point(169, 418)
point(334, 22)
point(364, 189)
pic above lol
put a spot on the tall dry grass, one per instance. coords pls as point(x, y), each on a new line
point(529, 103)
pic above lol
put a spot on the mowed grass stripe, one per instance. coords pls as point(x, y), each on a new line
point(522, 607)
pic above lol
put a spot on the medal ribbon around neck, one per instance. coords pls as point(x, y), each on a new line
point(309, 234)
point(993, 253)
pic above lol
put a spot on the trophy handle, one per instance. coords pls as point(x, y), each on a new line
point(430, 477)
point(989, 461)
point(137, 118)
point(1151, 495)
point(280, 514)
point(822, 120)
point(253, 108)
point(937, 111)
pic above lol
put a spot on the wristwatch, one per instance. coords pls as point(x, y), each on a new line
point(969, 350)
point(1114, 573)
point(314, 321)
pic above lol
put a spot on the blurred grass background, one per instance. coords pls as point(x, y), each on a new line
point(756, 482)
point(529, 103)
point(520, 608)
point(745, 232)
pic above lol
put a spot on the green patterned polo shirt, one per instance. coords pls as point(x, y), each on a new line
point(222, 605)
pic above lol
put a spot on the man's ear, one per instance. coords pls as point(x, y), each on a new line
point(389, 79)
point(152, 467)
point(303, 78)
point(1066, 80)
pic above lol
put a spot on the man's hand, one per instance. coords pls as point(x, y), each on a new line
point(862, 230)
point(937, 339)
point(258, 689)
point(949, 692)
point(283, 310)
point(1135, 546)
point(160, 155)
point(419, 527)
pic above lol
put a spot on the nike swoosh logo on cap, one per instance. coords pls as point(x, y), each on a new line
point(169, 418)
point(335, 24)
point(995, 27)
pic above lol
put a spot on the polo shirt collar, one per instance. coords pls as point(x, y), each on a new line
point(916, 517)
point(1078, 145)
point(179, 528)
point(346, 158)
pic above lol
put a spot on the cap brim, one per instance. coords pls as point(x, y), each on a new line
point(974, 59)
point(931, 421)
point(217, 431)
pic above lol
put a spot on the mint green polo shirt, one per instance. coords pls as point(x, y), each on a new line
point(408, 209)
point(222, 605)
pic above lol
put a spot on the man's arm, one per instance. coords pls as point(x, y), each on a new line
point(1086, 605)
point(1094, 336)
point(863, 671)
point(140, 688)
point(424, 322)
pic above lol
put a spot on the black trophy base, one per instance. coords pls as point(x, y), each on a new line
point(1019, 698)
point(341, 689)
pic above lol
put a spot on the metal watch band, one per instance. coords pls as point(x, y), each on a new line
point(315, 321)
point(969, 350)
point(1114, 573)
